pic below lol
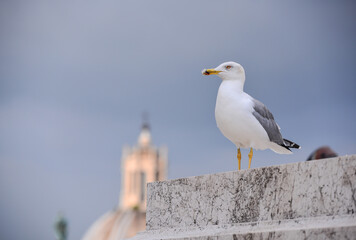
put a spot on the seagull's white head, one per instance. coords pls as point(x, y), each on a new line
point(227, 71)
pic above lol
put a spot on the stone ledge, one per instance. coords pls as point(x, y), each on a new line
point(288, 229)
point(314, 197)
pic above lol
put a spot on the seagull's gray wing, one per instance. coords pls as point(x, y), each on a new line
point(266, 119)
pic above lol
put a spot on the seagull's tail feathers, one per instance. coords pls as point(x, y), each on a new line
point(284, 148)
point(289, 144)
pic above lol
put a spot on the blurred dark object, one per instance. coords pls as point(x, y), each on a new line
point(60, 227)
point(322, 152)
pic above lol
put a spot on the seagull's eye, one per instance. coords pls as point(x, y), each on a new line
point(228, 67)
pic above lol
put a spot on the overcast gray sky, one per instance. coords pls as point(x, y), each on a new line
point(75, 77)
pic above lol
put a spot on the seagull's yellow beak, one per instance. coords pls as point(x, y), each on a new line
point(210, 71)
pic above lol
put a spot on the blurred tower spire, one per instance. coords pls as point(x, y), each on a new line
point(144, 139)
point(145, 121)
point(141, 164)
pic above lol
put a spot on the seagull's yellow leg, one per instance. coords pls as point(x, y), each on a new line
point(239, 157)
point(250, 158)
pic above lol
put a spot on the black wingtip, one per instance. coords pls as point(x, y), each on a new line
point(290, 144)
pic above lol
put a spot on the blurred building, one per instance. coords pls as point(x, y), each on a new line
point(139, 164)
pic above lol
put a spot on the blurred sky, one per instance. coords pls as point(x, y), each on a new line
point(75, 77)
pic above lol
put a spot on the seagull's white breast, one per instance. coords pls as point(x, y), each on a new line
point(234, 118)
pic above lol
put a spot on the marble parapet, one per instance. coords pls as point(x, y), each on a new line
point(291, 201)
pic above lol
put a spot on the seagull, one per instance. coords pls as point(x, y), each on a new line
point(243, 120)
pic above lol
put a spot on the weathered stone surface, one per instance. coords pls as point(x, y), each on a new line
point(315, 199)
